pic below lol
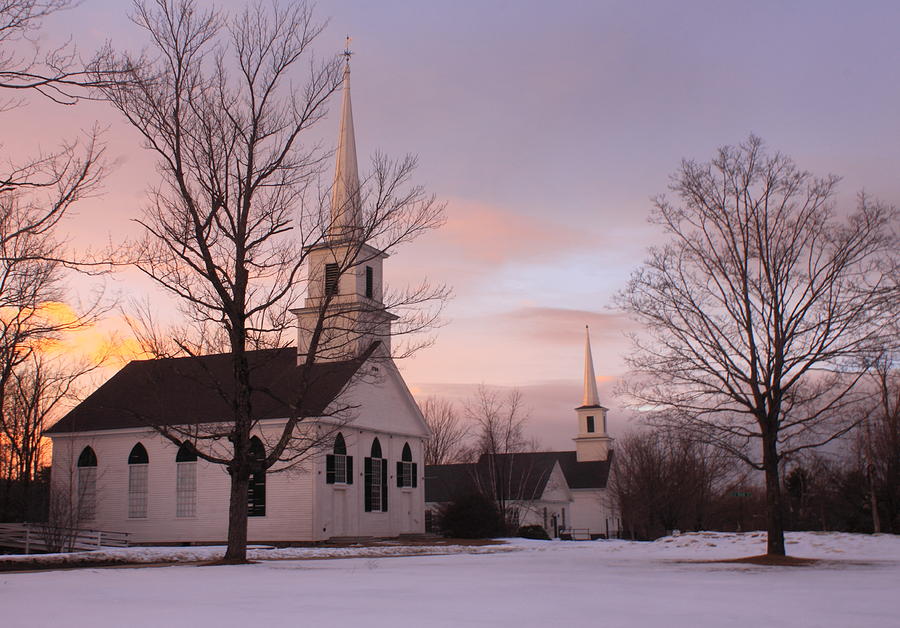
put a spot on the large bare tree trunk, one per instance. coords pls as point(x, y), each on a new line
point(240, 468)
point(237, 518)
point(774, 511)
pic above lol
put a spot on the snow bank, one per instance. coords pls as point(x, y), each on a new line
point(688, 546)
point(727, 545)
point(149, 555)
point(522, 584)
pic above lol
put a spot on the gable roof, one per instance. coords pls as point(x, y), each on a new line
point(594, 474)
point(444, 482)
point(191, 390)
point(525, 474)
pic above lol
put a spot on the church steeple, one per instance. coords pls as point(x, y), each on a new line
point(345, 200)
point(592, 442)
point(344, 273)
point(591, 397)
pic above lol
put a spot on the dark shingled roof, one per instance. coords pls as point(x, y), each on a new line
point(527, 472)
point(443, 482)
point(182, 391)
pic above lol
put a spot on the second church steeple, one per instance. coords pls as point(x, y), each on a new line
point(592, 442)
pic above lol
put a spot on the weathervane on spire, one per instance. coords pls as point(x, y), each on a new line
point(347, 52)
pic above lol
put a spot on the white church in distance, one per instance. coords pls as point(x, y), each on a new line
point(123, 476)
point(565, 492)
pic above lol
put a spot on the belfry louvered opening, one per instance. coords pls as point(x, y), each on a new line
point(332, 277)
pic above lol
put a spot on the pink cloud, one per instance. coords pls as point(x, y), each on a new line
point(561, 325)
point(486, 233)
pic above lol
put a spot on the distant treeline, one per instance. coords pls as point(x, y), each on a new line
point(663, 483)
point(25, 500)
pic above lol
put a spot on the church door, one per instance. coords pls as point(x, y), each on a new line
point(339, 512)
point(406, 526)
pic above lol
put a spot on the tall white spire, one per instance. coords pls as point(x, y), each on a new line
point(344, 273)
point(592, 442)
point(345, 201)
point(591, 397)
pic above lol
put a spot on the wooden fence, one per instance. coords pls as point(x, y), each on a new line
point(42, 537)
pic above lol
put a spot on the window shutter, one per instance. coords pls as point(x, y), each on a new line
point(349, 478)
point(384, 486)
point(368, 483)
point(329, 469)
point(332, 277)
point(399, 474)
point(256, 495)
point(415, 474)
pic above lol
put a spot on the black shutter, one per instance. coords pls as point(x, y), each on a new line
point(332, 278)
point(349, 463)
point(384, 486)
point(415, 474)
point(256, 495)
point(261, 493)
point(399, 474)
point(329, 469)
point(368, 483)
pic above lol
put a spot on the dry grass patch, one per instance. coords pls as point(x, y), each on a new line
point(762, 559)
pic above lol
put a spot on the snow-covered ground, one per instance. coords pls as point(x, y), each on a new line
point(523, 583)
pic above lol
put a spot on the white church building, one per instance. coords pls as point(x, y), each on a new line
point(122, 475)
point(565, 492)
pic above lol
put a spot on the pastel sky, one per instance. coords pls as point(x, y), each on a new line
point(547, 128)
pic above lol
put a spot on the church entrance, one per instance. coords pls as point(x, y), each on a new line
point(406, 525)
point(339, 523)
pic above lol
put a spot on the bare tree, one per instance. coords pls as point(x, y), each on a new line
point(878, 445)
point(665, 482)
point(237, 214)
point(35, 196)
point(33, 201)
point(39, 389)
point(499, 420)
point(57, 73)
point(503, 473)
point(448, 431)
point(758, 309)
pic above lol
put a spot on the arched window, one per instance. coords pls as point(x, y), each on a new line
point(186, 481)
point(87, 484)
point(138, 463)
point(256, 491)
point(87, 458)
point(376, 480)
point(338, 465)
point(407, 470)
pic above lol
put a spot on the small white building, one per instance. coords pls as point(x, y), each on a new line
point(120, 474)
point(565, 492)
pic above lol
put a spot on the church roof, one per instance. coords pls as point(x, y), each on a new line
point(526, 473)
point(191, 390)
